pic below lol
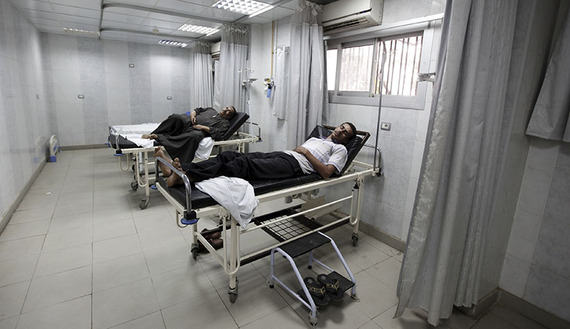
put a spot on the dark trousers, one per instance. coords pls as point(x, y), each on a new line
point(249, 166)
point(178, 137)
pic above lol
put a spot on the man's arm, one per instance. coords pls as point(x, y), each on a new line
point(324, 170)
point(202, 127)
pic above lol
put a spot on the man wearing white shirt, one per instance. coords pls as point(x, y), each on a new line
point(323, 156)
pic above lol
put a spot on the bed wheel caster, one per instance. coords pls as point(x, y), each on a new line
point(144, 203)
point(233, 293)
point(134, 186)
point(354, 240)
point(194, 252)
point(313, 321)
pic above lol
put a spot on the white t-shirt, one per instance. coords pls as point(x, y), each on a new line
point(325, 150)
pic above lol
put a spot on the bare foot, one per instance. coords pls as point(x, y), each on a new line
point(174, 180)
point(176, 164)
point(159, 153)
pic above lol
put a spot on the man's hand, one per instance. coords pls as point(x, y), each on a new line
point(302, 150)
point(202, 127)
point(193, 117)
point(324, 170)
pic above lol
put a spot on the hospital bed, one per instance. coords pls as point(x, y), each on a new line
point(284, 225)
point(136, 153)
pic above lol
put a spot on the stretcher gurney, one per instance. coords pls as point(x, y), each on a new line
point(191, 204)
point(133, 151)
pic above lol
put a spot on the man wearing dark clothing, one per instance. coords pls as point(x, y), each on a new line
point(180, 134)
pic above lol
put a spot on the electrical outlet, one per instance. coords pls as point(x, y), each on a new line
point(385, 126)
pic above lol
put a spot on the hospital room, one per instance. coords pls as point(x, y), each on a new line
point(374, 164)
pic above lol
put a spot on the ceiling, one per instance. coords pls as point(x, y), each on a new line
point(145, 21)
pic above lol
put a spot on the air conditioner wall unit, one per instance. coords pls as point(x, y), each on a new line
point(346, 15)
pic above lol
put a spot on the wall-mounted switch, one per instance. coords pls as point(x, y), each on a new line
point(385, 126)
point(80, 96)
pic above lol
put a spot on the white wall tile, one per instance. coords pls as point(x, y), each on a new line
point(534, 190)
point(524, 235)
point(548, 291)
point(514, 275)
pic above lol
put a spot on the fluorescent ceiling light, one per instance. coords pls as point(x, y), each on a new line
point(80, 31)
point(173, 43)
point(247, 7)
point(198, 29)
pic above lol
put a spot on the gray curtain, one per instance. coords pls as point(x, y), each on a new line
point(462, 160)
point(232, 69)
point(201, 73)
point(551, 115)
point(306, 74)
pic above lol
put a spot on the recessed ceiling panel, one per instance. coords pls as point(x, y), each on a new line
point(33, 4)
point(161, 24)
point(89, 4)
point(162, 17)
point(64, 19)
point(143, 16)
point(122, 18)
point(75, 11)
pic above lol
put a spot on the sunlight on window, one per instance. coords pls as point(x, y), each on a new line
point(356, 67)
point(331, 68)
point(401, 66)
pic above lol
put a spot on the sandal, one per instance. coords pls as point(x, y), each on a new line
point(332, 286)
point(210, 235)
point(317, 291)
point(216, 243)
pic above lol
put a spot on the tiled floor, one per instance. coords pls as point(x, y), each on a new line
point(79, 253)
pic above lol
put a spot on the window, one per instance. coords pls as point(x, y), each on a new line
point(358, 71)
point(356, 65)
point(401, 66)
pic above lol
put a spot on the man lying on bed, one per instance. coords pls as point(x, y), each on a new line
point(180, 134)
point(323, 156)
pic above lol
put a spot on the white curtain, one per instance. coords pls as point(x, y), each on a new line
point(232, 69)
point(201, 73)
point(463, 159)
point(306, 74)
point(281, 88)
point(551, 115)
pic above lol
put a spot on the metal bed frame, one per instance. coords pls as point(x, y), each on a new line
point(230, 256)
point(139, 160)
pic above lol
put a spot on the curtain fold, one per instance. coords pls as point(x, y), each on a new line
point(282, 61)
point(306, 83)
point(551, 115)
point(201, 74)
point(232, 69)
point(462, 160)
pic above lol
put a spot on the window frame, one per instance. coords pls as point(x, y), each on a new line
point(369, 98)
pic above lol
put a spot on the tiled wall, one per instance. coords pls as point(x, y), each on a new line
point(112, 91)
point(537, 264)
point(23, 110)
point(388, 200)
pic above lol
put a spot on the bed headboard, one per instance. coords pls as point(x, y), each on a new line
point(235, 123)
point(353, 146)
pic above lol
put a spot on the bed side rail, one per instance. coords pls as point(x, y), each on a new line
point(258, 129)
point(377, 160)
point(189, 214)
